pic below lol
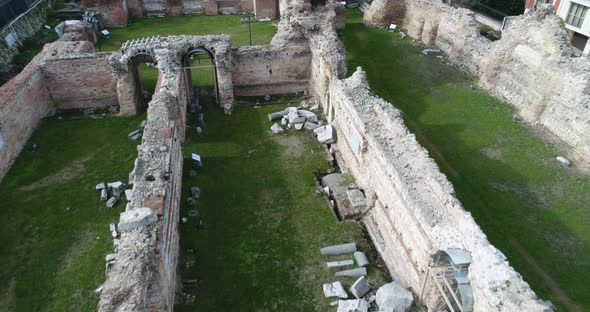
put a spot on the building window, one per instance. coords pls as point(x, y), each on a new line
point(575, 17)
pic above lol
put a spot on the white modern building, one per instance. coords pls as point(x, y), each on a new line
point(576, 16)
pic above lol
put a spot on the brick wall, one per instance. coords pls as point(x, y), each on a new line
point(265, 70)
point(92, 76)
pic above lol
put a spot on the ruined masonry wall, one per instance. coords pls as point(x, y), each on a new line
point(261, 70)
point(24, 100)
point(531, 67)
point(144, 274)
point(415, 211)
point(91, 74)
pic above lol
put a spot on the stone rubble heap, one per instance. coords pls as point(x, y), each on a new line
point(117, 189)
point(300, 119)
point(388, 298)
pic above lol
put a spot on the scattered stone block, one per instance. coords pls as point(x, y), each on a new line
point(135, 135)
point(111, 202)
point(277, 115)
point(277, 129)
point(284, 121)
point(428, 51)
point(99, 289)
point(325, 134)
point(337, 264)
point(117, 184)
point(361, 259)
point(334, 303)
point(360, 287)
point(394, 298)
point(190, 201)
point(128, 194)
point(310, 125)
point(184, 219)
point(133, 219)
point(100, 186)
point(352, 273)
point(116, 242)
point(112, 227)
point(195, 192)
point(358, 305)
point(103, 195)
point(335, 290)
point(341, 249)
point(306, 114)
point(143, 124)
point(315, 107)
point(357, 199)
point(563, 161)
point(114, 234)
point(299, 126)
point(110, 257)
point(298, 120)
point(402, 35)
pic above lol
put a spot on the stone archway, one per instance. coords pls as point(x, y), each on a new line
point(125, 68)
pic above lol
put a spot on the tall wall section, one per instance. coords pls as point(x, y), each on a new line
point(262, 70)
point(143, 276)
point(532, 67)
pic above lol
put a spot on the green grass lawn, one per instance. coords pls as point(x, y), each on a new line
point(534, 210)
point(264, 224)
point(54, 234)
point(262, 32)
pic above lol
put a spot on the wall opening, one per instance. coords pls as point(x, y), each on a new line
point(147, 77)
point(201, 78)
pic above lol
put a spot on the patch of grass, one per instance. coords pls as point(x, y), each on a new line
point(262, 32)
point(531, 208)
point(54, 234)
point(264, 224)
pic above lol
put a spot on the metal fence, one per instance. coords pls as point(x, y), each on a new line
point(10, 9)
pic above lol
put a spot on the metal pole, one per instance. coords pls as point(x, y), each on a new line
point(250, 29)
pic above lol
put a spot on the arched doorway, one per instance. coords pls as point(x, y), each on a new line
point(145, 75)
point(200, 77)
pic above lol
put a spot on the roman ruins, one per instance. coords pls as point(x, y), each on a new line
point(412, 215)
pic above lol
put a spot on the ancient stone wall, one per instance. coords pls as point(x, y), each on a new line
point(530, 67)
point(143, 276)
point(261, 70)
point(24, 100)
point(91, 74)
point(414, 210)
point(26, 25)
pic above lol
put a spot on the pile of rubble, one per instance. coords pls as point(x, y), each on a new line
point(299, 118)
point(390, 297)
point(117, 190)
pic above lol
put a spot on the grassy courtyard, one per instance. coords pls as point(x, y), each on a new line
point(54, 234)
point(534, 210)
point(264, 224)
